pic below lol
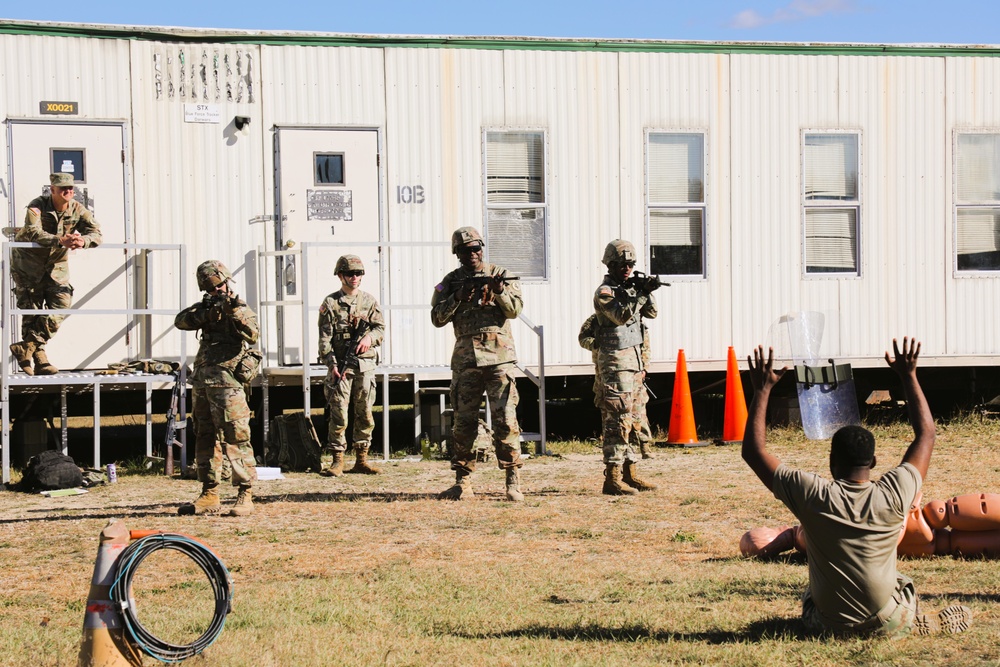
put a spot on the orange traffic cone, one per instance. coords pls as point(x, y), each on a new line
point(682, 429)
point(104, 643)
point(735, 420)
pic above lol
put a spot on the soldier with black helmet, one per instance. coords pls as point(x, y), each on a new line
point(480, 303)
point(351, 328)
point(619, 305)
point(222, 368)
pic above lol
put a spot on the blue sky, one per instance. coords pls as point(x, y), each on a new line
point(864, 21)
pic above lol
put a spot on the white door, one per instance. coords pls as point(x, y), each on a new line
point(94, 154)
point(328, 192)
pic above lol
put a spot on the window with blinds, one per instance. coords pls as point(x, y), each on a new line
point(516, 230)
point(831, 203)
point(675, 203)
point(977, 202)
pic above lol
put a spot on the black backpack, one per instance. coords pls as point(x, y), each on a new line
point(293, 444)
point(51, 470)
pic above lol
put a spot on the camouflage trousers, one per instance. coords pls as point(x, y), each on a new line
point(894, 620)
point(44, 293)
point(637, 436)
point(357, 390)
point(623, 413)
point(467, 387)
point(222, 429)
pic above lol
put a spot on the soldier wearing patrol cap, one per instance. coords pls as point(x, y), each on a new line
point(220, 411)
point(619, 307)
point(59, 223)
point(351, 329)
point(480, 305)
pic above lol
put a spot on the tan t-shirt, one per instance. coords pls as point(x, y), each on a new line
point(851, 534)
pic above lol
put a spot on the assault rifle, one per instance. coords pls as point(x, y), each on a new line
point(220, 303)
point(643, 283)
point(352, 349)
point(171, 437)
point(480, 285)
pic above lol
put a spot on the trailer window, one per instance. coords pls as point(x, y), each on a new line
point(675, 203)
point(977, 202)
point(831, 203)
point(328, 168)
point(516, 210)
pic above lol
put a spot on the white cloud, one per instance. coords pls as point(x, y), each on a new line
point(796, 10)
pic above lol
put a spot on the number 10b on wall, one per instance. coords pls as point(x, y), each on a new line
point(409, 194)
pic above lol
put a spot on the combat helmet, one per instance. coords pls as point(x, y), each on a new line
point(464, 235)
point(349, 263)
point(211, 274)
point(617, 252)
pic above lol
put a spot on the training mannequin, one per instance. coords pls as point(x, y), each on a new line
point(966, 525)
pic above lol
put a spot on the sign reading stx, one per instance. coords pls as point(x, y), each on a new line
point(59, 108)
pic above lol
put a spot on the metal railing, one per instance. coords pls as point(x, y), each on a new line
point(63, 380)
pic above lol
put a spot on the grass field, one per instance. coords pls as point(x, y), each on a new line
point(374, 571)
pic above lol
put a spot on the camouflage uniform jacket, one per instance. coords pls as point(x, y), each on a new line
point(588, 339)
point(224, 337)
point(45, 226)
point(339, 318)
point(618, 309)
point(482, 333)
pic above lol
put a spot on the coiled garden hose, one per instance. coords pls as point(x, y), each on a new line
point(218, 577)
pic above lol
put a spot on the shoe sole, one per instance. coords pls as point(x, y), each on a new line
point(949, 621)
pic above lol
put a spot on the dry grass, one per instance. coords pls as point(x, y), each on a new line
point(375, 571)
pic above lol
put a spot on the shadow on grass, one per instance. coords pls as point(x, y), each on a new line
point(343, 497)
point(774, 628)
point(68, 514)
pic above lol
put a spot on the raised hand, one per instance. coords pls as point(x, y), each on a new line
point(762, 373)
point(904, 361)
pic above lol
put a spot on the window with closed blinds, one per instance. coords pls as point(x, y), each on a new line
point(977, 202)
point(831, 203)
point(675, 203)
point(516, 228)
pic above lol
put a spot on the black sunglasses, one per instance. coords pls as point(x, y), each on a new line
point(469, 249)
point(352, 274)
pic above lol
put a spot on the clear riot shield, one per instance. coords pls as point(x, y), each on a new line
point(827, 397)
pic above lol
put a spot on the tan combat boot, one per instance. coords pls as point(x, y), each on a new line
point(514, 485)
point(244, 502)
point(462, 489)
point(206, 503)
point(613, 482)
point(22, 352)
point(42, 365)
point(361, 465)
point(335, 468)
point(631, 477)
point(644, 450)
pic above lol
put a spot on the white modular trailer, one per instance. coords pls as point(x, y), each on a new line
point(860, 182)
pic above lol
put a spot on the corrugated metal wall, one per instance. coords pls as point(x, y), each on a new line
point(201, 183)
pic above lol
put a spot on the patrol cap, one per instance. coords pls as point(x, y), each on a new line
point(349, 263)
point(61, 179)
point(464, 236)
point(618, 251)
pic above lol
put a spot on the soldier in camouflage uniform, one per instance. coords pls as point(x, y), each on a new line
point(41, 275)
point(350, 318)
point(220, 411)
point(482, 360)
point(644, 434)
point(620, 307)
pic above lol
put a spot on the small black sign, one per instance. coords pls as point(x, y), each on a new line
point(58, 108)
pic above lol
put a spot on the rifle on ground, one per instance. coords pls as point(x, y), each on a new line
point(480, 285)
point(352, 349)
point(172, 423)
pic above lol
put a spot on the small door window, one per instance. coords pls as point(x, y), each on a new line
point(328, 168)
point(70, 161)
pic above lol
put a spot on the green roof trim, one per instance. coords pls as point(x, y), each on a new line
point(211, 36)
